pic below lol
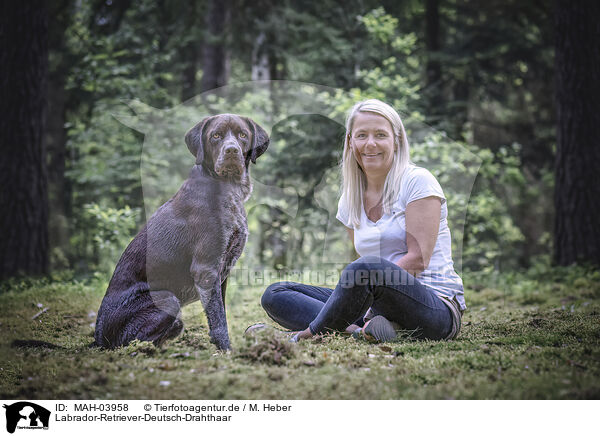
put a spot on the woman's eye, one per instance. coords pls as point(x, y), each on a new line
point(216, 135)
point(242, 135)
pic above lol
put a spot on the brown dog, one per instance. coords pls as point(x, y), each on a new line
point(188, 247)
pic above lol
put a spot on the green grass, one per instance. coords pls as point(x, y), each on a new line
point(533, 335)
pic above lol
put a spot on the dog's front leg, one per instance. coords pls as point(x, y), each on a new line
point(207, 283)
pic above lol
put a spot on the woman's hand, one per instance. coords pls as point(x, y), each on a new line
point(422, 227)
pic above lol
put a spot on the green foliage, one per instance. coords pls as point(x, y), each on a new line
point(484, 188)
point(108, 165)
point(499, 222)
point(381, 26)
point(475, 185)
point(111, 63)
point(394, 74)
point(106, 231)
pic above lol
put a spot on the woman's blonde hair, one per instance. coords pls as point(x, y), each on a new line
point(354, 181)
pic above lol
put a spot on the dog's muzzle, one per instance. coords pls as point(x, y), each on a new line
point(230, 162)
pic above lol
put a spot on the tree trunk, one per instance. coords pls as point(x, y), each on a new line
point(577, 191)
point(260, 59)
point(215, 55)
point(189, 54)
point(59, 187)
point(23, 178)
point(433, 67)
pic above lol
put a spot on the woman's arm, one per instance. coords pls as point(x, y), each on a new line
point(422, 227)
point(351, 234)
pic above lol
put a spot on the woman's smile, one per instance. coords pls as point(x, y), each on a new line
point(372, 154)
point(372, 141)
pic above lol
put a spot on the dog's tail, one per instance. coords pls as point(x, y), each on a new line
point(33, 343)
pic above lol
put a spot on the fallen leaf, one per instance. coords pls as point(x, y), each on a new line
point(166, 366)
point(180, 355)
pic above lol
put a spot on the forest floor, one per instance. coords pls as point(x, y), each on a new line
point(531, 335)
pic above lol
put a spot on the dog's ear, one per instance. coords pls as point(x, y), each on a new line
point(194, 139)
point(260, 141)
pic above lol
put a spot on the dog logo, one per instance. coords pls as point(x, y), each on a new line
point(26, 415)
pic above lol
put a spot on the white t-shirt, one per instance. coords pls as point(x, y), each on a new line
point(387, 237)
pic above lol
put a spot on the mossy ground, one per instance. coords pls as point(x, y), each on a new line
point(533, 335)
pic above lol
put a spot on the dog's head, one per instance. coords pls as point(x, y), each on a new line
point(226, 144)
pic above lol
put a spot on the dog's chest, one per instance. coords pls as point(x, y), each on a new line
point(234, 222)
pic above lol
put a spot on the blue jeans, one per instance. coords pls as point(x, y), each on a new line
point(369, 282)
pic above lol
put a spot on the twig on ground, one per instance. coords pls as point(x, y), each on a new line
point(44, 310)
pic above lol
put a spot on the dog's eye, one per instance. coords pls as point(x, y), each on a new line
point(216, 135)
point(242, 135)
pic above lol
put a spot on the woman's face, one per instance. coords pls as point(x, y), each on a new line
point(372, 141)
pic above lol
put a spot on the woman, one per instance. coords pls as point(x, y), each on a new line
point(396, 216)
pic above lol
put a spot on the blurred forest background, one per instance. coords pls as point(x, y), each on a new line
point(492, 80)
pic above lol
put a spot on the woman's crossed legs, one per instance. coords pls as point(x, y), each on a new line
point(369, 282)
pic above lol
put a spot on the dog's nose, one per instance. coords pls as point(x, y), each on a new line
point(231, 149)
